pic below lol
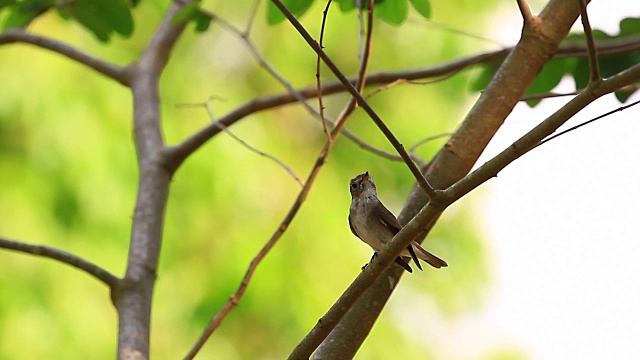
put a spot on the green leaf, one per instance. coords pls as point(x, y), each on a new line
point(629, 26)
point(297, 8)
point(4, 3)
point(202, 22)
point(116, 15)
point(17, 18)
point(86, 14)
point(346, 5)
point(623, 96)
point(393, 12)
point(186, 14)
point(101, 17)
point(581, 73)
point(21, 13)
point(548, 78)
point(423, 7)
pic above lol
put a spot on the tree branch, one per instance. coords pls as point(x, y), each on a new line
point(430, 191)
point(593, 55)
point(525, 11)
point(117, 73)
point(175, 155)
point(456, 158)
point(77, 262)
point(234, 300)
point(134, 298)
point(588, 122)
point(430, 212)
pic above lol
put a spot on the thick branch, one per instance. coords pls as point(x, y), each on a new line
point(362, 282)
point(118, 73)
point(429, 212)
point(133, 301)
point(456, 158)
point(530, 140)
point(90, 268)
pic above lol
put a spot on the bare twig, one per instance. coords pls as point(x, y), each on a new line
point(252, 17)
point(207, 106)
point(587, 122)
point(525, 11)
point(424, 184)
point(115, 72)
point(318, 80)
point(548, 95)
point(593, 54)
point(90, 268)
point(415, 146)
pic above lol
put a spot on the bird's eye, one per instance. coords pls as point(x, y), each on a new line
point(354, 185)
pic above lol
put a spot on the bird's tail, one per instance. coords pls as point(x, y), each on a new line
point(431, 259)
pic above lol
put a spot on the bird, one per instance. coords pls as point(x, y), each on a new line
point(375, 225)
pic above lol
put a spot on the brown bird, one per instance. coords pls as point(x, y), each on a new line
point(374, 224)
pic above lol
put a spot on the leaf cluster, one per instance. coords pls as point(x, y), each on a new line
point(576, 67)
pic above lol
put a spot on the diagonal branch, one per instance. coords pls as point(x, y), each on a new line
point(77, 262)
point(588, 122)
point(454, 160)
point(207, 106)
point(424, 184)
point(431, 211)
point(115, 72)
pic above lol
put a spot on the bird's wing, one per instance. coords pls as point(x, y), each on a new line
point(386, 217)
point(389, 220)
point(352, 229)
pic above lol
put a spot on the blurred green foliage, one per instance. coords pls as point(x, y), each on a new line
point(577, 68)
point(69, 180)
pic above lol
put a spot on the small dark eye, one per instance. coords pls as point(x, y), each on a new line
point(354, 185)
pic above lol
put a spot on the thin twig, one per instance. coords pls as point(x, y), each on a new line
point(525, 11)
point(207, 106)
point(549, 95)
point(90, 268)
point(252, 17)
point(422, 181)
point(115, 72)
point(318, 80)
point(298, 96)
point(593, 54)
point(587, 122)
point(234, 300)
point(360, 29)
point(415, 146)
point(410, 82)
